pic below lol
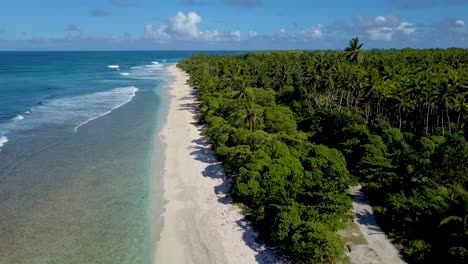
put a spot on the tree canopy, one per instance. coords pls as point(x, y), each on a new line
point(294, 129)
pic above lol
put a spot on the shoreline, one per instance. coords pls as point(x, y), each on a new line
point(201, 225)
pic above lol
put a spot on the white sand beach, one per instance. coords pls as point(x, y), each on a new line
point(200, 223)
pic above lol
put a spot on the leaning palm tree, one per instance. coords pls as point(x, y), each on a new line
point(354, 51)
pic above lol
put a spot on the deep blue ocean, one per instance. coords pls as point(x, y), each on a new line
point(78, 145)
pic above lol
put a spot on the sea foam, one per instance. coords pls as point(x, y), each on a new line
point(113, 66)
point(3, 140)
point(128, 92)
point(124, 73)
point(72, 111)
point(153, 71)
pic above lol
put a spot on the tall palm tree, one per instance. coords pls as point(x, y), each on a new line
point(251, 119)
point(445, 98)
point(354, 51)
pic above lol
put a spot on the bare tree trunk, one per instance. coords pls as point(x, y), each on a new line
point(448, 120)
point(443, 128)
point(378, 110)
point(427, 120)
point(399, 116)
point(341, 100)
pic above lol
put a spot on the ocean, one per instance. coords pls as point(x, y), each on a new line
point(79, 155)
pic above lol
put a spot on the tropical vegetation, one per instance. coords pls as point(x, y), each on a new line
point(295, 129)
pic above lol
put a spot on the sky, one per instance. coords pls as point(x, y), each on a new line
point(230, 24)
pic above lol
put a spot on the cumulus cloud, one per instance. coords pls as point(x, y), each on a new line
point(383, 28)
point(406, 28)
point(315, 32)
point(460, 23)
point(383, 21)
point(448, 29)
point(244, 3)
point(186, 27)
point(235, 35)
point(98, 13)
point(380, 20)
point(183, 26)
point(381, 33)
point(210, 35)
point(158, 34)
point(457, 26)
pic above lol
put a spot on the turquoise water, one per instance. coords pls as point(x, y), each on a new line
point(77, 152)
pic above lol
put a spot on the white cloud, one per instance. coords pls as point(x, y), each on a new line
point(159, 34)
point(179, 27)
point(186, 27)
point(383, 28)
point(315, 32)
point(210, 35)
point(235, 35)
point(380, 20)
point(458, 26)
point(406, 28)
point(383, 21)
point(215, 35)
point(382, 33)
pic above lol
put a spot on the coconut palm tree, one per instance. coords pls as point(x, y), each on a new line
point(244, 92)
point(445, 98)
point(251, 119)
point(354, 51)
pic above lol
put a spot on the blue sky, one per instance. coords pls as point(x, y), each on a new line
point(230, 24)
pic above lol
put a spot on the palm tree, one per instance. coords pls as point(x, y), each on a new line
point(456, 225)
point(251, 119)
point(404, 105)
point(354, 51)
point(445, 98)
point(244, 92)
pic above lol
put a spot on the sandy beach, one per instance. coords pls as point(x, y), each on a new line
point(200, 223)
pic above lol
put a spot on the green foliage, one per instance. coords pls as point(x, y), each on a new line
point(354, 51)
point(314, 243)
point(279, 119)
point(295, 129)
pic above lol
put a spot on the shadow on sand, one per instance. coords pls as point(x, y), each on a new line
point(214, 170)
point(365, 217)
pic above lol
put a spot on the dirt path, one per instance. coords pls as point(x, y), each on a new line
point(364, 238)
